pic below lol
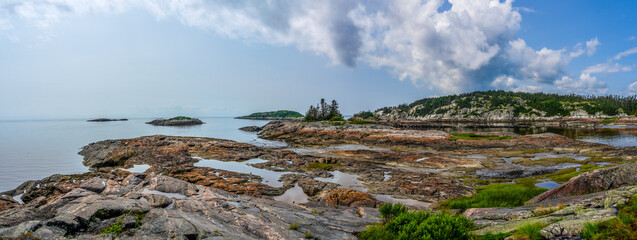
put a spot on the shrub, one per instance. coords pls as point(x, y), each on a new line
point(421, 225)
point(389, 211)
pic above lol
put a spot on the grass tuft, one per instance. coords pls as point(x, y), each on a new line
point(294, 226)
point(497, 195)
point(530, 231)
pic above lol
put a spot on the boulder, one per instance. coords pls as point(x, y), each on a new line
point(349, 198)
point(594, 181)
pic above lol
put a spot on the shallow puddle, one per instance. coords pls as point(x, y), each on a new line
point(346, 180)
point(293, 195)
point(138, 168)
point(270, 178)
point(547, 184)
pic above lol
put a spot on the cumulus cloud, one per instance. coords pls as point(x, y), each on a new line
point(585, 84)
point(469, 45)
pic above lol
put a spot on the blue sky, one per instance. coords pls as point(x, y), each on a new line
point(133, 58)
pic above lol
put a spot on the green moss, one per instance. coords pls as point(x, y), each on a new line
point(308, 235)
point(116, 228)
point(497, 195)
point(473, 136)
point(326, 166)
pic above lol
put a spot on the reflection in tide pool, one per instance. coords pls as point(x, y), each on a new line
point(547, 184)
point(346, 180)
point(293, 195)
point(270, 178)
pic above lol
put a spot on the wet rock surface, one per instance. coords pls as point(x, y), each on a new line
point(149, 210)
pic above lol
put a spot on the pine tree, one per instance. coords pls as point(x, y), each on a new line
point(333, 112)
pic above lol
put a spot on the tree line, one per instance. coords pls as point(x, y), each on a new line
point(323, 111)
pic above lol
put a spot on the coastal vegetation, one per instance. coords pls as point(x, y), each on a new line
point(497, 195)
point(275, 114)
point(505, 104)
point(324, 111)
point(623, 226)
point(399, 223)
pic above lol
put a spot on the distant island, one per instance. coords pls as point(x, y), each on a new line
point(274, 115)
point(107, 119)
point(176, 121)
point(504, 105)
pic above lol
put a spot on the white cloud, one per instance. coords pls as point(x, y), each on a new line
point(511, 84)
point(625, 53)
point(591, 46)
point(607, 68)
point(585, 84)
point(470, 44)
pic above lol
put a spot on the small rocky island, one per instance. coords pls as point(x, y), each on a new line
point(176, 121)
point(107, 119)
point(274, 115)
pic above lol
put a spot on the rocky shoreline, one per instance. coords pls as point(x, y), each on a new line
point(272, 118)
point(328, 181)
point(555, 122)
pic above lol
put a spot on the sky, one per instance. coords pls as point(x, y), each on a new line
point(145, 58)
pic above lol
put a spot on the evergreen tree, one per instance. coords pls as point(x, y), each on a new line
point(323, 111)
point(333, 112)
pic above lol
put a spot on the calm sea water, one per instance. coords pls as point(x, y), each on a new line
point(32, 150)
point(36, 149)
